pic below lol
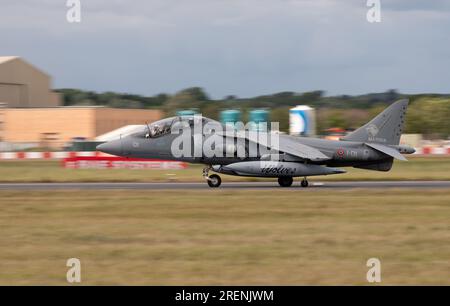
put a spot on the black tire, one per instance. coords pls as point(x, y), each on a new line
point(214, 181)
point(285, 181)
point(304, 183)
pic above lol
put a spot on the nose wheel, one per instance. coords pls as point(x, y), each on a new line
point(213, 180)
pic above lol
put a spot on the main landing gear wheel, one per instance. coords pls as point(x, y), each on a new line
point(285, 181)
point(214, 181)
point(304, 183)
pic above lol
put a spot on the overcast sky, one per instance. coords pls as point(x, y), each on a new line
point(242, 47)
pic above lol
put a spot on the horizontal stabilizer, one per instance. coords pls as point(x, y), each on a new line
point(386, 150)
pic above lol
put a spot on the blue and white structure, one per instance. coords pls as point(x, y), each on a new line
point(302, 121)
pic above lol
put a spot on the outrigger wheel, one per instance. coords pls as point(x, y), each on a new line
point(214, 180)
point(285, 181)
point(304, 182)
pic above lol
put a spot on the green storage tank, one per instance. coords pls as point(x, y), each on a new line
point(259, 120)
point(230, 116)
point(186, 112)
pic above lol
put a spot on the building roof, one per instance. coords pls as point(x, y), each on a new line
point(4, 59)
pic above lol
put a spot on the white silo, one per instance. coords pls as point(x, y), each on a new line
point(302, 121)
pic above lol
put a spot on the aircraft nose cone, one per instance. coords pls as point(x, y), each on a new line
point(111, 147)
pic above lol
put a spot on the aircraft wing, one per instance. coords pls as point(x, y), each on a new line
point(285, 144)
point(386, 150)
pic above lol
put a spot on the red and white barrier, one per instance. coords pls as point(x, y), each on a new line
point(46, 155)
point(115, 162)
point(427, 150)
point(98, 160)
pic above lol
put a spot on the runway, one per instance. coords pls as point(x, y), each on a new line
point(316, 186)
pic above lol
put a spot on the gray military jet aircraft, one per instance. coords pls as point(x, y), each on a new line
point(197, 139)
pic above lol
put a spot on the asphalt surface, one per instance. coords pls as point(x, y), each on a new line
point(234, 185)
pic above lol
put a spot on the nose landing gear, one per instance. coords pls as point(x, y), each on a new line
point(213, 180)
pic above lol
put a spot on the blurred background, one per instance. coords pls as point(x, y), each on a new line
point(36, 117)
point(64, 82)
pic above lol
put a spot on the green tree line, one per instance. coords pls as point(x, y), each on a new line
point(428, 114)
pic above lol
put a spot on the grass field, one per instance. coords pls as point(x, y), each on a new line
point(418, 168)
point(219, 237)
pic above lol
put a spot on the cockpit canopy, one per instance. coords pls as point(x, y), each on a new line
point(165, 126)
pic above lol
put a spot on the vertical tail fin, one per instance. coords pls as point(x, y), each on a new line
point(385, 128)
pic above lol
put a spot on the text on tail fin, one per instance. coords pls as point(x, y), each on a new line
point(385, 128)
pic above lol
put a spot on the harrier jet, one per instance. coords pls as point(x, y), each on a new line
point(197, 139)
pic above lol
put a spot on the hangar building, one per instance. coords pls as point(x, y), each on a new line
point(23, 85)
point(31, 114)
